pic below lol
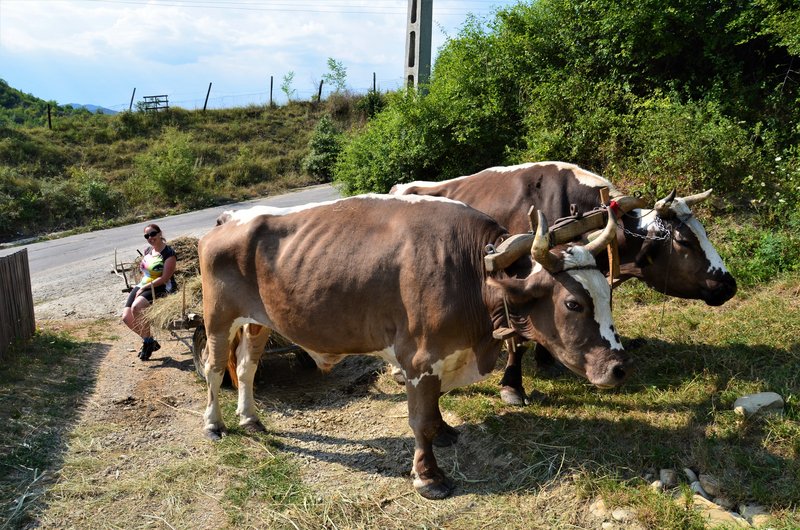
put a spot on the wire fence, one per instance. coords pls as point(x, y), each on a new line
point(197, 100)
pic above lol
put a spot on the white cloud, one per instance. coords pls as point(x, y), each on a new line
point(180, 49)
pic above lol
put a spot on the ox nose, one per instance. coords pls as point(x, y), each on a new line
point(720, 290)
point(619, 373)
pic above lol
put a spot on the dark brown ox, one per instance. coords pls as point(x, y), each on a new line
point(403, 278)
point(666, 247)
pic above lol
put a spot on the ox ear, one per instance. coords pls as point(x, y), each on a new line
point(518, 290)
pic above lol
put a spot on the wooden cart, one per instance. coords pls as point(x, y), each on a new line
point(193, 321)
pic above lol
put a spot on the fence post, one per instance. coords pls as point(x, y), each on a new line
point(207, 94)
point(270, 91)
point(319, 94)
point(374, 83)
point(49, 122)
point(131, 105)
point(16, 300)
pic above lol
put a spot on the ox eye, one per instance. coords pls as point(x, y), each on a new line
point(572, 305)
point(683, 242)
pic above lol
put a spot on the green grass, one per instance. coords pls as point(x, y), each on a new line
point(675, 411)
point(42, 384)
point(579, 444)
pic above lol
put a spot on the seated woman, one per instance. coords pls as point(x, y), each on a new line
point(157, 266)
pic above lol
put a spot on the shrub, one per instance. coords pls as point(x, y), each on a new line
point(168, 168)
point(98, 199)
point(324, 147)
point(693, 141)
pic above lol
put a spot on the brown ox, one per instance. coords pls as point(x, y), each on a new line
point(402, 278)
point(665, 247)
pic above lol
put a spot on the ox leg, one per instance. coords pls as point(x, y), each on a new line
point(511, 390)
point(216, 361)
point(248, 353)
point(426, 421)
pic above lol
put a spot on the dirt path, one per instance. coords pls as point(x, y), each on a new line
point(137, 457)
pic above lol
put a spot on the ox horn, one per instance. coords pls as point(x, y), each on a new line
point(699, 197)
point(609, 232)
point(662, 206)
point(540, 249)
point(627, 203)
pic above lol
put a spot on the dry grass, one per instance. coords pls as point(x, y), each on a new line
point(339, 447)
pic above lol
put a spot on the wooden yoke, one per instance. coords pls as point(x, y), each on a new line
point(613, 246)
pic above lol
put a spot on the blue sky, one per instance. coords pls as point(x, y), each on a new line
point(98, 51)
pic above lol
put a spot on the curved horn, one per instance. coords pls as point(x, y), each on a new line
point(610, 231)
point(627, 203)
point(700, 197)
point(540, 249)
point(662, 206)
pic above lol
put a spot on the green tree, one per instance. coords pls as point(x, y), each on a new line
point(324, 148)
point(286, 85)
point(336, 75)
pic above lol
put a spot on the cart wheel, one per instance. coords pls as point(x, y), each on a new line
point(198, 351)
point(304, 360)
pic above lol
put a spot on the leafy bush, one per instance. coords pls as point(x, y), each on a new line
point(244, 169)
point(95, 195)
point(166, 173)
point(324, 148)
point(757, 253)
point(692, 142)
point(19, 201)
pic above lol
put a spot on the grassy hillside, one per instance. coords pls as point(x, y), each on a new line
point(95, 170)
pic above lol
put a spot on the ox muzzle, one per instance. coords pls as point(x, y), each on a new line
point(719, 289)
point(608, 368)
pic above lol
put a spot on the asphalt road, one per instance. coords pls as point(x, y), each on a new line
point(73, 276)
point(100, 245)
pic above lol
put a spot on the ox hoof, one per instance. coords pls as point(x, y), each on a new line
point(446, 436)
point(513, 396)
point(435, 489)
point(215, 434)
point(253, 427)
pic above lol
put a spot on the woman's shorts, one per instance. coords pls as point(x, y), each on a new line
point(148, 295)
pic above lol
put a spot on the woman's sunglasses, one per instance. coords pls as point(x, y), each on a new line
point(148, 235)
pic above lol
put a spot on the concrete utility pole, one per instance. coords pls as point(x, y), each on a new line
point(418, 42)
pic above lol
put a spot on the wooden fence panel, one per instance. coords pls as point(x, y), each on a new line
point(16, 300)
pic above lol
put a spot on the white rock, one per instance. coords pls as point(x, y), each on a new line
point(599, 509)
point(760, 520)
point(657, 485)
point(608, 526)
point(748, 511)
point(697, 488)
point(668, 477)
point(690, 475)
point(710, 484)
point(761, 402)
point(622, 514)
point(716, 516)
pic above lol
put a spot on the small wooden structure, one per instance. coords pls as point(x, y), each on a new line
point(17, 320)
point(155, 103)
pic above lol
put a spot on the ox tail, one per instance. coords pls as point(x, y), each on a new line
point(232, 347)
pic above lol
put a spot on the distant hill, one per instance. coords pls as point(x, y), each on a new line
point(17, 107)
point(92, 108)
